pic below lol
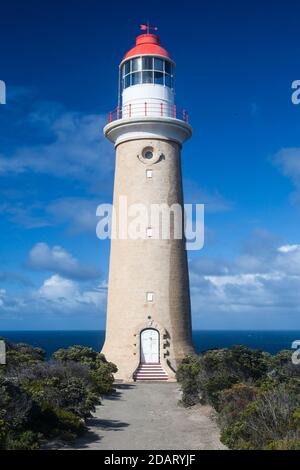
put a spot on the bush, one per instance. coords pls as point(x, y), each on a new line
point(219, 370)
point(101, 371)
point(45, 400)
point(81, 354)
point(265, 421)
point(188, 375)
point(16, 405)
point(63, 385)
point(16, 412)
point(56, 422)
point(257, 396)
point(27, 440)
point(234, 401)
point(19, 355)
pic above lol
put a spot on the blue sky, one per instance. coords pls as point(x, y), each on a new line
point(235, 65)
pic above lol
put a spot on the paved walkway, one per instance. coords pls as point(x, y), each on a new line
point(147, 416)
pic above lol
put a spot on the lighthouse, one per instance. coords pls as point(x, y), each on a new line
point(148, 324)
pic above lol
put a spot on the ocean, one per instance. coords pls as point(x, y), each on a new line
point(50, 341)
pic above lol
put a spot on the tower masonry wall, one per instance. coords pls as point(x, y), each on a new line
point(148, 265)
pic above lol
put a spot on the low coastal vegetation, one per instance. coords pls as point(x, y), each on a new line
point(43, 400)
point(256, 395)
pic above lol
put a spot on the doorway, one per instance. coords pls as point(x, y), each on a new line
point(150, 346)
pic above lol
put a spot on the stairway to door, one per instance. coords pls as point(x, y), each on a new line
point(150, 372)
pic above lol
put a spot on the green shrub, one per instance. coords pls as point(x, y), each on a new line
point(3, 432)
point(257, 396)
point(81, 354)
point(22, 355)
point(27, 440)
point(187, 374)
point(71, 393)
point(234, 401)
point(102, 376)
point(101, 371)
point(270, 418)
point(284, 444)
point(69, 422)
point(16, 405)
point(53, 422)
point(207, 375)
point(46, 400)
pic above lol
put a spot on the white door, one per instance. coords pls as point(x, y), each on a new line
point(149, 346)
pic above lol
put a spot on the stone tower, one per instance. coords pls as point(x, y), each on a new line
point(148, 328)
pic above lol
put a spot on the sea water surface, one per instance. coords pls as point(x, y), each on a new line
point(50, 341)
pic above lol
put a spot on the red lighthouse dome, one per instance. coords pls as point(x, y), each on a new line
point(147, 44)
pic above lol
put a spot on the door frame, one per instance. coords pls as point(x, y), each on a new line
point(158, 347)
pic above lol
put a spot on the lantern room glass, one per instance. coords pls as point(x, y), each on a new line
point(147, 69)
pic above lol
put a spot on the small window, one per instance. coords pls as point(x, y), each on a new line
point(168, 81)
point(150, 296)
point(136, 78)
point(147, 77)
point(126, 67)
point(147, 63)
point(147, 153)
point(149, 232)
point(158, 64)
point(127, 81)
point(136, 64)
point(159, 78)
point(149, 173)
point(168, 67)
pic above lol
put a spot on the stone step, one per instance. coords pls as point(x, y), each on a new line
point(150, 372)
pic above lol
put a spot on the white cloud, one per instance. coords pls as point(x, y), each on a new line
point(66, 296)
point(74, 147)
point(57, 295)
point(62, 145)
point(224, 293)
point(260, 281)
point(56, 259)
point(288, 248)
point(58, 288)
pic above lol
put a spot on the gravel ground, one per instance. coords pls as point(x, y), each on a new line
point(147, 416)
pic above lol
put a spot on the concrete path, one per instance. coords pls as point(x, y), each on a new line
point(147, 416)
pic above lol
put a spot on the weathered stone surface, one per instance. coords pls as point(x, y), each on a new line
point(148, 265)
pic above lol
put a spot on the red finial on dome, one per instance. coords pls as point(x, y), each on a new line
point(147, 44)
